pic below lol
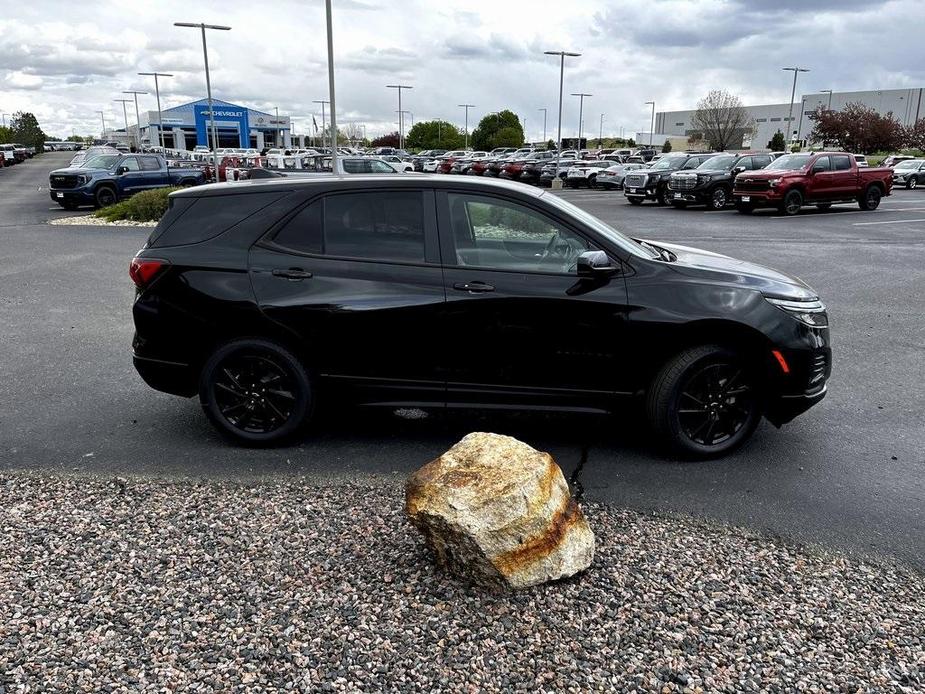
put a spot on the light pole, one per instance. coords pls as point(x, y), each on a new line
point(652, 124)
point(600, 134)
point(544, 124)
point(467, 107)
point(205, 56)
point(401, 120)
point(4, 119)
point(103, 121)
point(124, 112)
point(561, 55)
point(581, 104)
point(330, 30)
point(137, 119)
point(829, 92)
point(793, 92)
point(324, 122)
point(157, 94)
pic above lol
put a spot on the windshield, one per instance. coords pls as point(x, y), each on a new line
point(789, 162)
point(669, 163)
point(720, 163)
point(908, 164)
point(604, 230)
point(101, 161)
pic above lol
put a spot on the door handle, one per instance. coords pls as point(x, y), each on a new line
point(293, 273)
point(475, 287)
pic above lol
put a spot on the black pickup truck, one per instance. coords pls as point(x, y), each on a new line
point(652, 183)
point(711, 183)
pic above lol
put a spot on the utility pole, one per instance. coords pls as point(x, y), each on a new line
point(561, 55)
point(137, 119)
point(205, 55)
point(652, 123)
point(793, 92)
point(581, 103)
point(467, 107)
point(124, 112)
point(157, 94)
point(544, 124)
point(401, 120)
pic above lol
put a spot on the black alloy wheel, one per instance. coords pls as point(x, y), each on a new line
point(870, 199)
point(255, 392)
point(705, 402)
point(719, 199)
point(105, 196)
point(912, 183)
point(793, 201)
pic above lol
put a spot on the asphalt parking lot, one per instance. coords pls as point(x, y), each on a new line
point(849, 474)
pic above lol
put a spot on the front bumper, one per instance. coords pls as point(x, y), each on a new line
point(763, 198)
point(650, 192)
point(80, 196)
point(786, 408)
point(695, 195)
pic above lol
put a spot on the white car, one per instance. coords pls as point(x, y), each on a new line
point(201, 148)
point(397, 162)
point(584, 173)
point(612, 176)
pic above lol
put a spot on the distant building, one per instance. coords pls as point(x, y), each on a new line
point(907, 106)
point(187, 125)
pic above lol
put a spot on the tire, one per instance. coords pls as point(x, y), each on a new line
point(705, 402)
point(237, 379)
point(106, 196)
point(824, 206)
point(635, 201)
point(719, 198)
point(870, 200)
point(792, 203)
point(912, 183)
point(592, 181)
point(661, 196)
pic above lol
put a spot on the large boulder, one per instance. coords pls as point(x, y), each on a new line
point(498, 512)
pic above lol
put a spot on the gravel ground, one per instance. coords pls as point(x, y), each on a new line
point(94, 221)
point(124, 585)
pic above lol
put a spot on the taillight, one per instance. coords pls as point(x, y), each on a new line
point(144, 270)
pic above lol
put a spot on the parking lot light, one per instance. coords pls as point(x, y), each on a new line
point(793, 92)
point(124, 112)
point(829, 92)
point(205, 54)
point(324, 121)
point(544, 123)
point(4, 115)
point(103, 121)
point(561, 55)
point(467, 107)
point(401, 120)
point(157, 96)
point(651, 123)
point(137, 119)
point(581, 103)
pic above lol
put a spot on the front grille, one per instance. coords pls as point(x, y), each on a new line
point(635, 180)
point(63, 181)
point(682, 182)
point(752, 184)
point(817, 371)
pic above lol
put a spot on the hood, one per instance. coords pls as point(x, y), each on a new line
point(72, 171)
point(694, 261)
point(764, 174)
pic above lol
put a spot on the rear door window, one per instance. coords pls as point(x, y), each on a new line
point(150, 164)
point(841, 162)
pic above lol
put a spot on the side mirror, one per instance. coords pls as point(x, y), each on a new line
point(594, 264)
point(739, 169)
point(121, 170)
point(818, 168)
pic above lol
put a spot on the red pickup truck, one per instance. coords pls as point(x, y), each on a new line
point(817, 178)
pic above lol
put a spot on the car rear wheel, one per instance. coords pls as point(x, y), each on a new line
point(705, 402)
point(105, 196)
point(592, 181)
point(912, 183)
point(719, 199)
point(870, 200)
point(792, 203)
point(256, 392)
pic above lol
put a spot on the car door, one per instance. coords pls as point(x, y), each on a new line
point(356, 277)
point(132, 179)
point(822, 183)
point(844, 178)
point(520, 326)
point(154, 176)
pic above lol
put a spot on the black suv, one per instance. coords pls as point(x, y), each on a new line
point(652, 183)
point(711, 183)
point(268, 298)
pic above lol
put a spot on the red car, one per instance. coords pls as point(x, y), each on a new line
point(813, 178)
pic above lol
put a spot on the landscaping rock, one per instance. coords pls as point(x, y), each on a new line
point(499, 513)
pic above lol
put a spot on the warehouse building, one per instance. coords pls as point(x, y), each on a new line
point(907, 106)
point(187, 125)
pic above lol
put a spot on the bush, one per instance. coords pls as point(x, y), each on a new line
point(147, 206)
point(666, 148)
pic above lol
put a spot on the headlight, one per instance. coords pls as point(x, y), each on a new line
point(773, 182)
point(811, 313)
point(83, 179)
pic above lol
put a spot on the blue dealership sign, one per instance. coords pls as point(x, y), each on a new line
point(225, 116)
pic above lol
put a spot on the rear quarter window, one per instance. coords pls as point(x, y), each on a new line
point(196, 219)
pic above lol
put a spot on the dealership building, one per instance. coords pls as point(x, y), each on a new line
point(906, 105)
point(187, 125)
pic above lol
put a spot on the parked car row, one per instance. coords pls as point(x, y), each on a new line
point(13, 153)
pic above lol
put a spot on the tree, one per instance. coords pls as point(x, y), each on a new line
point(26, 131)
point(350, 133)
point(858, 128)
point(551, 144)
point(389, 140)
point(666, 147)
point(722, 119)
point(777, 143)
point(435, 134)
point(915, 134)
point(501, 129)
point(6, 135)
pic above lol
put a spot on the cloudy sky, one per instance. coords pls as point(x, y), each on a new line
point(65, 60)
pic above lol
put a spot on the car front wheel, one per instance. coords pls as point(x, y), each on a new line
point(705, 402)
point(719, 199)
point(913, 183)
point(793, 201)
point(255, 392)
